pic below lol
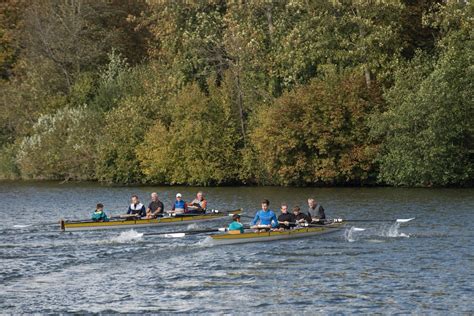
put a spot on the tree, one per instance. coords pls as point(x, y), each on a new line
point(316, 134)
point(63, 146)
point(428, 126)
point(198, 147)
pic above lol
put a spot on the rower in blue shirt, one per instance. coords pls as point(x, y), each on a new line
point(265, 216)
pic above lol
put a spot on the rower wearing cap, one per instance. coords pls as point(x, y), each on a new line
point(236, 225)
point(179, 206)
point(99, 214)
point(265, 217)
point(299, 217)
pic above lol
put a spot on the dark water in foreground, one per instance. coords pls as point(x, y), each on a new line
point(425, 266)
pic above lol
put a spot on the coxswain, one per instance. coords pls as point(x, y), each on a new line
point(155, 208)
point(285, 219)
point(198, 205)
point(265, 217)
point(179, 205)
point(236, 225)
point(299, 217)
point(136, 209)
point(99, 214)
point(316, 212)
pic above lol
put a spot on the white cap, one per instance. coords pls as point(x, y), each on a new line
point(178, 195)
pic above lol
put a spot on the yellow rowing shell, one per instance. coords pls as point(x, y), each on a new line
point(248, 237)
point(139, 223)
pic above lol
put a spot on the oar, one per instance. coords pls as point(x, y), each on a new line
point(182, 233)
point(178, 234)
point(398, 220)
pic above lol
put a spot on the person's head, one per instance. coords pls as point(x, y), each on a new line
point(179, 196)
point(135, 199)
point(236, 217)
point(296, 210)
point(312, 203)
point(200, 196)
point(284, 208)
point(265, 204)
point(154, 197)
point(99, 207)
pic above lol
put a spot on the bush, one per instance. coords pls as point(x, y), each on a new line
point(316, 134)
point(62, 146)
point(198, 147)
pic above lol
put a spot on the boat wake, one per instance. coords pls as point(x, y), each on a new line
point(127, 237)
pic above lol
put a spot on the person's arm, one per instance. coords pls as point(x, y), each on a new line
point(142, 212)
point(185, 207)
point(159, 209)
point(274, 220)
point(255, 219)
point(129, 211)
point(148, 209)
point(204, 204)
point(293, 219)
point(322, 213)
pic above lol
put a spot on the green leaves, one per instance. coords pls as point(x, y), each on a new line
point(266, 92)
point(428, 125)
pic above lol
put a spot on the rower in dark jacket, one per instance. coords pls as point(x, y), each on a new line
point(136, 208)
point(316, 212)
point(286, 220)
point(300, 218)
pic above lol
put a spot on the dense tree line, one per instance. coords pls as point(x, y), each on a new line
point(240, 92)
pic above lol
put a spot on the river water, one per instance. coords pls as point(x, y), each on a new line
point(424, 266)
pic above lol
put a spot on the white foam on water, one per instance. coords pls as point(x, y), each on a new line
point(192, 226)
point(393, 232)
point(128, 236)
point(206, 242)
point(351, 234)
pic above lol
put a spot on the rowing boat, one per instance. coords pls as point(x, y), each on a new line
point(125, 223)
point(251, 236)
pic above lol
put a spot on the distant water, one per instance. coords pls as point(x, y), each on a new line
point(425, 266)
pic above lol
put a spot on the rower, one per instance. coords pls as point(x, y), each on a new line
point(136, 208)
point(265, 217)
point(179, 206)
point(236, 225)
point(198, 205)
point(285, 219)
point(155, 208)
point(99, 214)
point(316, 212)
point(299, 217)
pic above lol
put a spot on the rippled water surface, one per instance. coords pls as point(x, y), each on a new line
point(425, 266)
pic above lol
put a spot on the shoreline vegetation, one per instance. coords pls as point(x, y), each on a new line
point(266, 93)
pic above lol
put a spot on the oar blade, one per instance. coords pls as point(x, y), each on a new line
point(405, 220)
point(174, 235)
